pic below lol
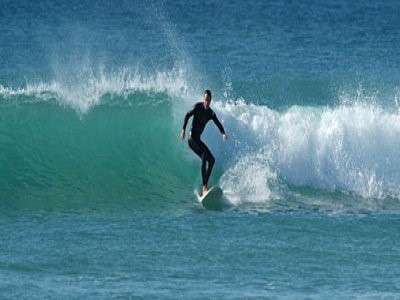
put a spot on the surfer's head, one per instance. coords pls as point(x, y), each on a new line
point(207, 99)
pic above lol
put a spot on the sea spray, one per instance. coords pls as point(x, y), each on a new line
point(85, 90)
point(350, 148)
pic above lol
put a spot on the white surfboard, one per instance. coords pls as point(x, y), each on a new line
point(212, 199)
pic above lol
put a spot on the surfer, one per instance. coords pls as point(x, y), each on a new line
point(202, 113)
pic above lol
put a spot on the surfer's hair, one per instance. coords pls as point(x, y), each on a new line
point(208, 92)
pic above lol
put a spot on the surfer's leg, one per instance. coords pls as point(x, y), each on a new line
point(207, 156)
point(198, 147)
point(204, 172)
point(204, 153)
point(195, 145)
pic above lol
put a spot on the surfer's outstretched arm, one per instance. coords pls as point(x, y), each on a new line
point(185, 121)
point(220, 127)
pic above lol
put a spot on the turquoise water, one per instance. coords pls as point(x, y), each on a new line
point(200, 255)
point(97, 190)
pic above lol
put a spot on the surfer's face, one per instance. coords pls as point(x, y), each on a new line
point(207, 101)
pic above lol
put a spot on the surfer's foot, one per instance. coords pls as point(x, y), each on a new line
point(205, 190)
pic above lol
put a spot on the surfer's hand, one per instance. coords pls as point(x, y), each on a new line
point(183, 134)
point(224, 137)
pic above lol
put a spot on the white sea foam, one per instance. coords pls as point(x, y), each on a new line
point(351, 148)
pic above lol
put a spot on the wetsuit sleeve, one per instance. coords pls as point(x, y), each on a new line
point(187, 117)
point(218, 123)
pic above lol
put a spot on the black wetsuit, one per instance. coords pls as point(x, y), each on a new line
point(200, 118)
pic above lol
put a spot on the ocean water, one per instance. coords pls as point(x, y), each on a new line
point(97, 190)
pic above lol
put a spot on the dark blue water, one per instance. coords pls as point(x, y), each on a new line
point(97, 191)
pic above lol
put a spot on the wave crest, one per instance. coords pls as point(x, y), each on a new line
point(85, 90)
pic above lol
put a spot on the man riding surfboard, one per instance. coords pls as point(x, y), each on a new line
point(202, 113)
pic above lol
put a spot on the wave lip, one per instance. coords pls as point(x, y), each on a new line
point(83, 91)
